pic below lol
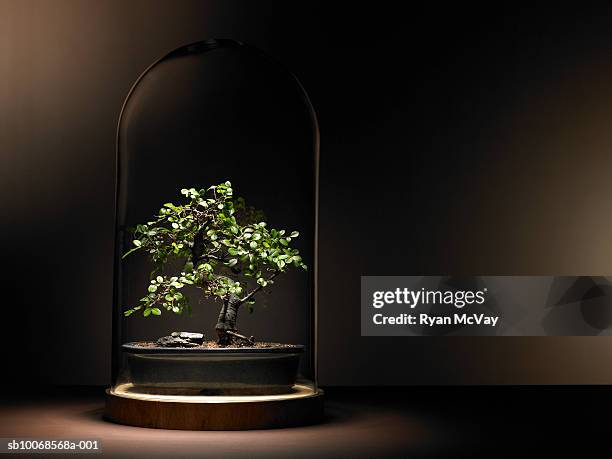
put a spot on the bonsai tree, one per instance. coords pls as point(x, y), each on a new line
point(223, 247)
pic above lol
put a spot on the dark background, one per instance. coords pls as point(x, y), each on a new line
point(455, 140)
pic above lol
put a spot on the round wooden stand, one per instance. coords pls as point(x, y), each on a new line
point(124, 405)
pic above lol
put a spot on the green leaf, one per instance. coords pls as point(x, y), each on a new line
point(152, 288)
point(129, 251)
point(295, 234)
point(147, 312)
point(156, 311)
point(284, 242)
point(253, 244)
point(137, 243)
point(232, 262)
point(159, 279)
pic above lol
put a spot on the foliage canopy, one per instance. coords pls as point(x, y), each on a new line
point(225, 249)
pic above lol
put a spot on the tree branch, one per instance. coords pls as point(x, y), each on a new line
point(257, 289)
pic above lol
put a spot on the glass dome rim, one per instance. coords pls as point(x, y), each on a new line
point(206, 45)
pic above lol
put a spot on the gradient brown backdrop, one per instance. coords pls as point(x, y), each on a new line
point(454, 141)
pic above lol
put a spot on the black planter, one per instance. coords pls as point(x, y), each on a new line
point(218, 371)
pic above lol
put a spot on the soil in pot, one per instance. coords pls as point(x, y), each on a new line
point(211, 344)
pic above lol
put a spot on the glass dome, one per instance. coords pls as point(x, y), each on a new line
point(225, 140)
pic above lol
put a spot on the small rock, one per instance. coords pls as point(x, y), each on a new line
point(181, 339)
point(193, 337)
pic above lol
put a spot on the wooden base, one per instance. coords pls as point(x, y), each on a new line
point(124, 405)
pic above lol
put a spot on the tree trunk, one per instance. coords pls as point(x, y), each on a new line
point(227, 320)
